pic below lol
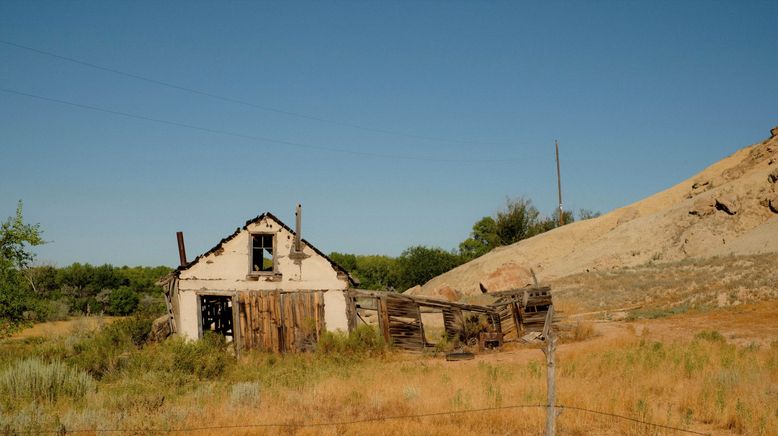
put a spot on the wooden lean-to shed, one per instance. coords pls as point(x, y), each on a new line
point(261, 287)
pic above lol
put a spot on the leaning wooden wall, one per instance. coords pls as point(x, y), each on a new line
point(280, 321)
point(399, 316)
point(522, 310)
point(403, 322)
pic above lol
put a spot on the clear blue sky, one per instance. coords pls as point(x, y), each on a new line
point(639, 95)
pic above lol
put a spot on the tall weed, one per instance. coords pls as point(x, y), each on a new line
point(363, 340)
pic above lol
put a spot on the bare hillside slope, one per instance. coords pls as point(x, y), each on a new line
point(730, 207)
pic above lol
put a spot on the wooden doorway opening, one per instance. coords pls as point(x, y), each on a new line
point(216, 316)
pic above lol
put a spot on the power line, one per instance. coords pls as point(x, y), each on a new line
point(250, 104)
point(257, 138)
point(361, 421)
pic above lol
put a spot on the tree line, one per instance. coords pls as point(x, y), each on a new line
point(43, 293)
point(519, 219)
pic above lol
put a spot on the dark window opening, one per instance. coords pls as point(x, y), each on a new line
point(216, 315)
point(261, 253)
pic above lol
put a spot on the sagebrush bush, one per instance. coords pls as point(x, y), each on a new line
point(34, 380)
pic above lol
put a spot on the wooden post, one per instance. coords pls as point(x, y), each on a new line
point(237, 338)
point(383, 319)
point(550, 339)
point(421, 327)
point(559, 185)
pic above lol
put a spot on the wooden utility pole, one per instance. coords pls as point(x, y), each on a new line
point(550, 338)
point(559, 185)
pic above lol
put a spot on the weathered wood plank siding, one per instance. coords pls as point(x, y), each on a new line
point(399, 316)
point(280, 321)
point(522, 310)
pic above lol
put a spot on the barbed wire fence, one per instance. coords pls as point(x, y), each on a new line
point(62, 430)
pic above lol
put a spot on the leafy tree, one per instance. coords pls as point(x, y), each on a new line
point(89, 287)
point(107, 277)
point(419, 264)
point(482, 239)
point(552, 222)
point(374, 272)
point(519, 220)
point(16, 239)
point(586, 214)
point(143, 279)
point(75, 281)
point(42, 280)
point(122, 301)
point(378, 272)
point(347, 261)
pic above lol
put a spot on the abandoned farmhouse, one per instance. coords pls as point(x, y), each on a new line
point(264, 287)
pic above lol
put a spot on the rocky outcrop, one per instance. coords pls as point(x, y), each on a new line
point(508, 276)
point(772, 202)
point(703, 207)
point(727, 204)
point(773, 176)
point(447, 293)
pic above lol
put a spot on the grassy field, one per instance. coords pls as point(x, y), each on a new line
point(701, 379)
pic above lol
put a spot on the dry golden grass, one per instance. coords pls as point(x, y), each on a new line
point(713, 370)
point(65, 328)
point(700, 380)
point(582, 330)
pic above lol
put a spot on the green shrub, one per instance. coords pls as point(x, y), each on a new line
point(105, 350)
point(363, 340)
point(446, 344)
point(34, 380)
point(205, 359)
point(57, 310)
point(151, 306)
point(137, 329)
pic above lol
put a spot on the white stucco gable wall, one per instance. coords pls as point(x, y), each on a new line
point(227, 270)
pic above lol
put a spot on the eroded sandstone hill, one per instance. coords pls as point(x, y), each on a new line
point(730, 207)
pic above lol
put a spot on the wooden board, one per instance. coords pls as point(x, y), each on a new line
point(513, 313)
point(280, 321)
